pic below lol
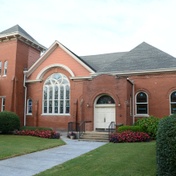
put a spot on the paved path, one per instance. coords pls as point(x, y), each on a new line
point(31, 164)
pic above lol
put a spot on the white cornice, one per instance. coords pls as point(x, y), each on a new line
point(4, 37)
point(81, 78)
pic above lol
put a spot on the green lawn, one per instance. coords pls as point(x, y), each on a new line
point(13, 145)
point(123, 159)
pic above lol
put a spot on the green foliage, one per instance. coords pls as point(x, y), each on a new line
point(129, 128)
point(149, 125)
point(35, 128)
point(166, 146)
point(9, 122)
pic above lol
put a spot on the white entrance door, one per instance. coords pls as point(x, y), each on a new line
point(104, 115)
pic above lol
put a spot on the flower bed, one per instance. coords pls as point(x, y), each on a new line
point(39, 133)
point(129, 136)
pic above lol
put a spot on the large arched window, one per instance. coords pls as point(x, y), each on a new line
point(141, 103)
point(173, 102)
point(56, 94)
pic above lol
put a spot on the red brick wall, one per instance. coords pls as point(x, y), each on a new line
point(8, 53)
point(59, 56)
point(17, 54)
point(158, 87)
point(35, 92)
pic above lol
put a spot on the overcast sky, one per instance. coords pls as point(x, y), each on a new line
point(95, 26)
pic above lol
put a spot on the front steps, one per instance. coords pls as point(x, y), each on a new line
point(95, 136)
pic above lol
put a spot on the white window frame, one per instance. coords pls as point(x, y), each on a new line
point(2, 104)
point(5, 68)
point(50, 84)
point(170, 103)
point(0, 68)
point(138, 103)
point(29, 106)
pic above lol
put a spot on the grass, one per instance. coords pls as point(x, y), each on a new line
point(14, 145)
point(123, 159)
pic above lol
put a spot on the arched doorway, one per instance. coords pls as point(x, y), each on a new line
point(104, 112)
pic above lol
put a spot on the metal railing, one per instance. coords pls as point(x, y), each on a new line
point(77, 127)
point(82, 128)
point(72, 127)
point(111, 128)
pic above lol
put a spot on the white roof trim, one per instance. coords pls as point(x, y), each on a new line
point(77, 59)
point(137, 72)
point(81, 78)
point(44, 70)
point(49, 51)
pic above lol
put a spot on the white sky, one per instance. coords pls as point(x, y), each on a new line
point(95, 26)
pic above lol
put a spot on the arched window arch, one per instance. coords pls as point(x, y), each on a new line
point(141, 103)
point(105, 99)
point(5, 67)
point(56, 94)
point(173, 103)
point(29, 106)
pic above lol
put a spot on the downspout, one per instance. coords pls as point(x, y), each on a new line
point(25, 95)
point(132, 82)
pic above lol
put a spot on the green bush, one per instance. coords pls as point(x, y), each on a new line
point(129, 128)
point(166, 146)
point(9, 122)
point(149, 125)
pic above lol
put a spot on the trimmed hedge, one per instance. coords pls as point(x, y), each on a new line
point(149, 125)
point(35, 128)
point(40, 133)
point(129, 136)
point(129, 128)
point(9, 121)
point(166, 146)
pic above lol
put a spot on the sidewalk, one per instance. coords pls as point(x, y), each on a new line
point(31, 164)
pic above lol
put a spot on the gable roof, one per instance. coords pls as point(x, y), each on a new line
point(50, 50)
point(144, 57)
point(22, 34)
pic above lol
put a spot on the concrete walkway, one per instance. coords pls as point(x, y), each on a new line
point(31, 164)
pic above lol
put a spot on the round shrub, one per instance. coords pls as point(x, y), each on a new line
point(9, 122)
point(129, 128)
point(149, 125)
point(166, 146)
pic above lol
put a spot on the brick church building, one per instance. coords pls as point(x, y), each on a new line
point(51, 87)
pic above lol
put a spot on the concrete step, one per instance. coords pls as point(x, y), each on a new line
point(95, 136)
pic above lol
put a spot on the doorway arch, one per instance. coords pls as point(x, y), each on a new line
point(104, 112)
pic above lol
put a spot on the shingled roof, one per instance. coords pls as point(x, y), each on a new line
point(144, 57)
point(17, 30)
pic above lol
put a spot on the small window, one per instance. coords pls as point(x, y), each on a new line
point(3, 104)
point(0, 68)
point(173, 102)
point(29, 106)
point(141, 103)
point(5, 67)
